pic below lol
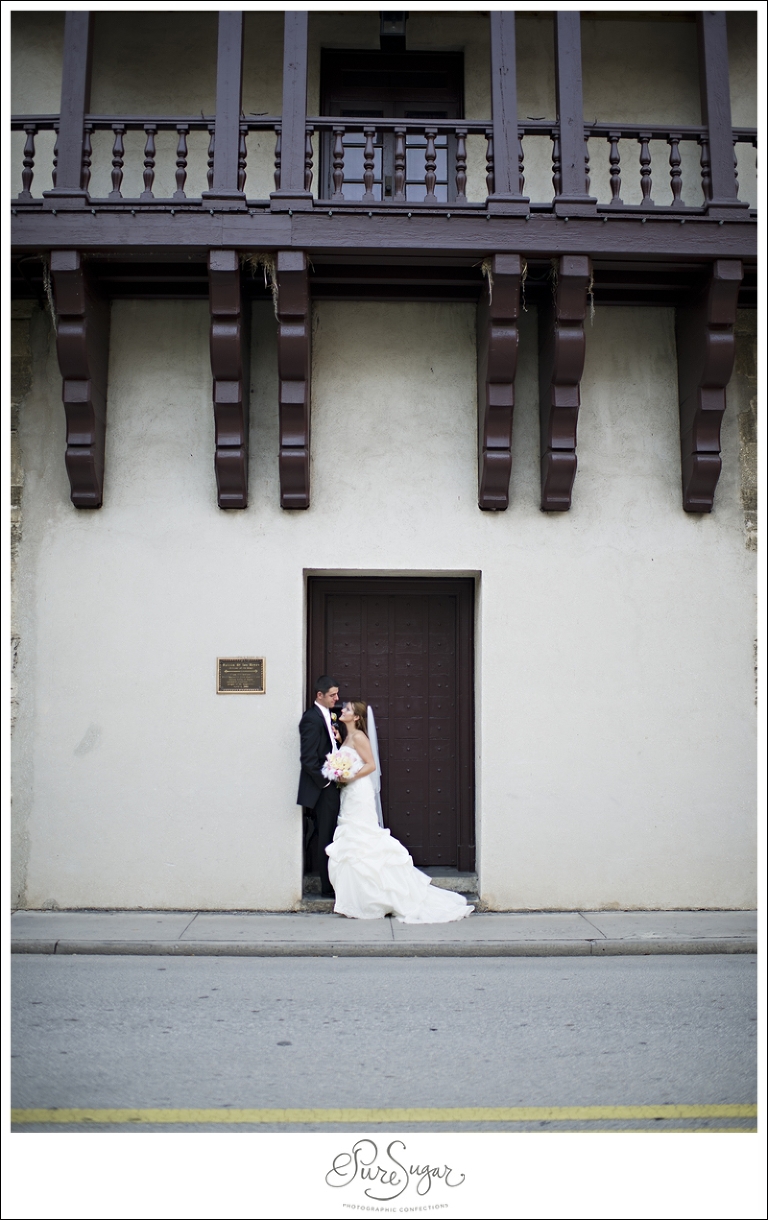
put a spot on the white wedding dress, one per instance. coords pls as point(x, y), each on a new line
point(373, 874)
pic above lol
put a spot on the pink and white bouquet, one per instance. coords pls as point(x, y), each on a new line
point(339, 766)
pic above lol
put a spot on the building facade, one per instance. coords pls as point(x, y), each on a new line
point(505, 264)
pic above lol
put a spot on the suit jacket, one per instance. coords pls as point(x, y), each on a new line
point(315, 744)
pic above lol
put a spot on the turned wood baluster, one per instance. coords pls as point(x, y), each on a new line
point(118, 150)
point(368, 163)
point(242, 156)
point(211, 152)
point(430, 160)
point(557, 169)
point(645, 169)
point(278, 154)
point(308, 158)
point(86, 145)
point(520, 165)
point(706, 177)
point(181, 161)
point(338, 162)
point(490, 177)
point(399, 195)
point(28, 171)
point(587, 179)
point(614, 159)
point(150, 130)
point(461, 165)
point(675, 173)
point(87, 156)
point(735, 168)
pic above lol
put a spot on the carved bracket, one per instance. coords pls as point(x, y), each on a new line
point(293, 363)
point(497, 344)
point(705, 355)
point(561, 364)
point(82, 346)
point(230, 365)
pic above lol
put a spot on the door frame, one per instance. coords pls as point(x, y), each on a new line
point(464, 589)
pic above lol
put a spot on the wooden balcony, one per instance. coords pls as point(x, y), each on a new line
point(398, 211)
point(332, 197)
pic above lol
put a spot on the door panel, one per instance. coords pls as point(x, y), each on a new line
point(405, 647)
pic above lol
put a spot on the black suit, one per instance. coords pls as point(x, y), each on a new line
point(315, 791)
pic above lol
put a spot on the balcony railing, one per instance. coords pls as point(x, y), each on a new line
point(358, 162)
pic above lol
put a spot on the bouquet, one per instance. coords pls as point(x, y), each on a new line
point(338, 766)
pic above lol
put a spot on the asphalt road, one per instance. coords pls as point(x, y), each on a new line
point(216, 1032)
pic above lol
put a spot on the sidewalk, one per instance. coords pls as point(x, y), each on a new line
point(486, 934)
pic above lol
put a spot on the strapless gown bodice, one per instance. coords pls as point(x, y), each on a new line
point(372, 873)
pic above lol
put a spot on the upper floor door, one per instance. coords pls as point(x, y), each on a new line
point(380, 84)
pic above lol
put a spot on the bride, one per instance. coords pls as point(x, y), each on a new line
point(372, 873)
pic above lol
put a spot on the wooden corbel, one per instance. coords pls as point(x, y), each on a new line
point(705, 355)
point(497, 344)
point(82, 347)
point(293, 363)
point(230, 365)
point(561, 364)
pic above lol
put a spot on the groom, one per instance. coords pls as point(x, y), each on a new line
point(319, 737)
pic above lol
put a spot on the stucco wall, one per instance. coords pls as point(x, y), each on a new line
point(38, 47)
point(615, 739)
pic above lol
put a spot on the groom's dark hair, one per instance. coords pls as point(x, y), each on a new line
point(324, 684)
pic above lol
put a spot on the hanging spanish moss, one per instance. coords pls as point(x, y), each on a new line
point(267, 264)
point(48, 289)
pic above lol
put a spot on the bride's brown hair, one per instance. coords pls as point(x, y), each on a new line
point(361, 716)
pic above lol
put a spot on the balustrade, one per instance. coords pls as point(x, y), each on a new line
point(645, 138)
point(398, 160)
point(125, 160)
point(395, 161)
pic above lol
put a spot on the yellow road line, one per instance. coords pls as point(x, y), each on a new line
point(467, 1114)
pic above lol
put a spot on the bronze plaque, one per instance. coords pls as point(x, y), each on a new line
point(240, 676)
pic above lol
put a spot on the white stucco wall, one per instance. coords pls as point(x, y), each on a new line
point(614, 733)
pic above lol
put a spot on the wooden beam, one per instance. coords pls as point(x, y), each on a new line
point(293, 365)
point(705, 355)
point(292, 196)
point(507, 197)
point(194, 230)
point(561, 364)
point(715, 88)
point(227, 191)
point(230, 366)
point(572, 199)
point(497, 344)
point(82, 347)
point(75, 100)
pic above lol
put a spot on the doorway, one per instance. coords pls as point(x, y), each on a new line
point(389, 85)
point(405, 646)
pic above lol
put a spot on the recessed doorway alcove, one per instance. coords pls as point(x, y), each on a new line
point(405, 646)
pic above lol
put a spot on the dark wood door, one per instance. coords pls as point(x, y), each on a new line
point(385, 84)
point(405, 647)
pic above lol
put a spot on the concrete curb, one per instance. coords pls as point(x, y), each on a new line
point(532, 948)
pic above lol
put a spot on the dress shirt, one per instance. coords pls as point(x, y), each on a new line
point(327, 719)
